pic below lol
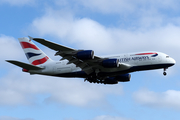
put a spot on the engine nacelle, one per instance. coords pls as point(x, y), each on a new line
point(110, 63)
point(123, 78)
point(85, 55)
point(110, 80)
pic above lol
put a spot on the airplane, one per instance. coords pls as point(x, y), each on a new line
point(84, 64)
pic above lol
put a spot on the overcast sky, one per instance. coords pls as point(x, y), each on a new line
point(107, 27)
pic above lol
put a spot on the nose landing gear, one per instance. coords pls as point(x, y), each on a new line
point(164, 73)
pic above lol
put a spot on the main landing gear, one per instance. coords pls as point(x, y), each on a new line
point(95, 79)
point(164, 73)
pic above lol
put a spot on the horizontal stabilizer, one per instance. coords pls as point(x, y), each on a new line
point(24, 65)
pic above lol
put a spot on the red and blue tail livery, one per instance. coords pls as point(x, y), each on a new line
point(28, 45)
point(29, 54)
point(32, 52)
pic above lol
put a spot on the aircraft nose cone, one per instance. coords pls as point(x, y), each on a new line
point(173, 61)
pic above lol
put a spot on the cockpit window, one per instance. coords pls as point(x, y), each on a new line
point(167, 56)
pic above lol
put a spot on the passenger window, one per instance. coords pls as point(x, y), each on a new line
point(167, 56)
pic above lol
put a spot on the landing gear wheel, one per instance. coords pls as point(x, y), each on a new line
point(164, 73)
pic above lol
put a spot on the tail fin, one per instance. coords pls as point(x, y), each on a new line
point(33, 53)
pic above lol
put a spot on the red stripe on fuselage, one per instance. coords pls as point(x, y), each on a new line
point(28, 45)
point(40, 61)
point(145, 53)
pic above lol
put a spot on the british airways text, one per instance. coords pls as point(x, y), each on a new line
point(134, 59)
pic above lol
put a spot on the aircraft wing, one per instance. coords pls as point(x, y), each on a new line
point(88, 66)
point(52, 45)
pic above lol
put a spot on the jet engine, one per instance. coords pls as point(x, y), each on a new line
point(119, 78)
point(123, 78)
point(85, 55)
point(110, 63)
point(110, 80)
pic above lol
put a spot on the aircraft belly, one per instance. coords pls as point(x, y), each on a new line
point(113, 69)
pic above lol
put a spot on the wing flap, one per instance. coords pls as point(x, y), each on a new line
point(24, 65)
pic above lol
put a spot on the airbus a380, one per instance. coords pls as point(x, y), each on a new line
point(84, 64)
